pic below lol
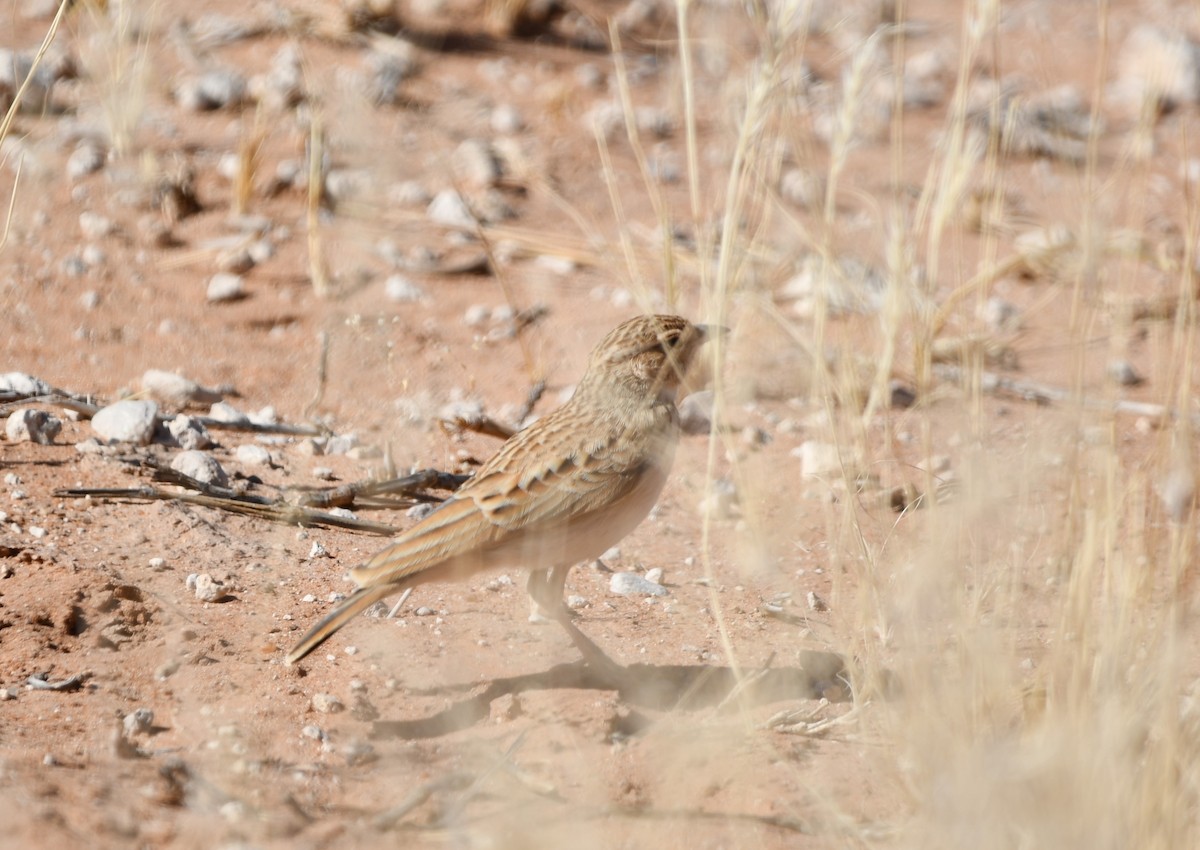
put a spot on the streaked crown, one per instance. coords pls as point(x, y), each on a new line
point(646, 356)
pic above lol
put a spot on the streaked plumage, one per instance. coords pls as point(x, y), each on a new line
point(563, 490)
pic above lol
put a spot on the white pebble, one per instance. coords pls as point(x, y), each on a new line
point(176, 390)
point(251, 454)
point(19, 382)
point(128, 421)
point(448, 208)
point(327, 703)
point(632, 584)
point(138, 721)
point(400, 289)
point(201, 466)
point(189, 433)
point(476, 315)
point(95, 226)
point(207, 588)
point(506, 120)
point(33, 425)
point(223, 412)
point(224, 287)
point(84, 160)
point(817, 458)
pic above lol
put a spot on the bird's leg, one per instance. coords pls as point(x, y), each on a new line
point(546, 590)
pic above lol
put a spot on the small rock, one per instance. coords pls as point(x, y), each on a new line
point(1178, 492)
point(207, 588)
point(476, 315)
point(804, 188)
point(589, 76)
point(224, 287)
point(283, 85)
point(818, 459)
point(1160, 66)
point(506, 120)
point(816, 603)
point(938, 464)
point(22, 384)
point(200, 465)
point(1000, 316)
point(389, 63)
point(475, 164)
point(224, 412)
point(327, 704)
point(561, 266)
point(260, 250)
point(215, 89)
point(265, 416)
point(654, 121)
point(423, 611)
point(654, 574)
point(409, 193)
point(400, 289)
point(92, 256)
point(754, 437)
point(176, 390)
point(36, 426)
point(314, 732)
point(189, 432)
point(1122, 372)
point(87, 158)
point(128, 421)
point(722, 501)
point(632, 584)
point(448, 208)
point(316, 551)
point(138, 721)
point(420, 510)
point(95, 226)
point(340, 444)
point(253, 455)
point(344, 184)
point(74, 266)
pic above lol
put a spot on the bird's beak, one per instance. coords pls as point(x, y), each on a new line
point(708, 332)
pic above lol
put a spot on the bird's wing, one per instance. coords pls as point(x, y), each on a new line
point(527, 483)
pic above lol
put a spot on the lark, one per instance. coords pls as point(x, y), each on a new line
point(561, 491)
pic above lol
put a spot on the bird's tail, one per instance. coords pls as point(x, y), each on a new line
point(357, 602)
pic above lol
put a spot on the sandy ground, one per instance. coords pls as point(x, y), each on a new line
point(457, 721)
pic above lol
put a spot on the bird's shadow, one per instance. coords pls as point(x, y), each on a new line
point(649, 686)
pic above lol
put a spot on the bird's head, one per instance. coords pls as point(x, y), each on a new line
point(645, 357)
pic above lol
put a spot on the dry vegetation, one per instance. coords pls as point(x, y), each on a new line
point(986, 205)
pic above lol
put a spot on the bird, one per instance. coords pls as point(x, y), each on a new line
point(562, 490)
